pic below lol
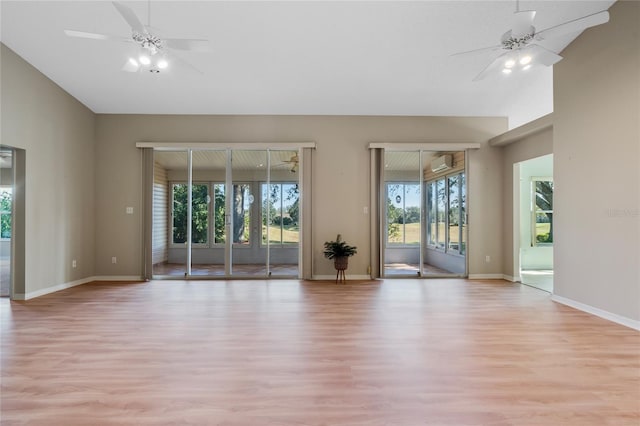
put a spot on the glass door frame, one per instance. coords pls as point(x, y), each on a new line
point(422, 148)
point(299, 148)
point(384, 215)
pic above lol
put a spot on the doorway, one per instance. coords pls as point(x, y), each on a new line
point(6, 219)
point(226, 213)
point(424, 201)
point(533, 222)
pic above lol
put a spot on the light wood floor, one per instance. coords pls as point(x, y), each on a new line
point(395, 352)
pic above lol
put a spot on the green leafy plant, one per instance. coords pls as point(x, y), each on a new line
point(338, 248)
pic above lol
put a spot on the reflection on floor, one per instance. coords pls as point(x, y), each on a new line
point(538, 279)
point(395, 269)
point(4, 276)
point(254, 270)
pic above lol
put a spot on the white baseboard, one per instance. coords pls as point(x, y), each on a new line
point(52, 289)
point(486, 277)
point(619, 319)
point(510, 278)
point(333, 277)
point(118, 278)
point(64, 286)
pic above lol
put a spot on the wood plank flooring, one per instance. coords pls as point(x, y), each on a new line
point(393, 352)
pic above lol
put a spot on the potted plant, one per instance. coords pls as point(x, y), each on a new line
point(340, 252)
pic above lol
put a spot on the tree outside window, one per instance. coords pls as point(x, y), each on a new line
point(280, 213)
point(542, 190)
point(219, 230)
point(5, 213)
point(403, 213)
point(242, 201)
point(199, 213)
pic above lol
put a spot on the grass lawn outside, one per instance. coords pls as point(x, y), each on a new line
point(412, 231)
point(290, 234)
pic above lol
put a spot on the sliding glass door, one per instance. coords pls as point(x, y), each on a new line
point(224, 213)
point(170, 198)
point(425, 215)
point(248, 170)
point(280, 201)
point(403, 194)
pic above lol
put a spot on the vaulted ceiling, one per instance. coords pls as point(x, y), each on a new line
point(337, 58)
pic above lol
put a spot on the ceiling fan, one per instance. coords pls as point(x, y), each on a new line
point(293, 161)
point(520, 43)
point(153, 52)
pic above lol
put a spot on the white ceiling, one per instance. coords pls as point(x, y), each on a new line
point(351, 58)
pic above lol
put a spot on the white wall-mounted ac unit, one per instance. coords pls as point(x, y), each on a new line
point(439, 164)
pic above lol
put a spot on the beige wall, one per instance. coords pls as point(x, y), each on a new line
point(596, 166)
point(57, 133)
point(532, 146)
point(340, 176)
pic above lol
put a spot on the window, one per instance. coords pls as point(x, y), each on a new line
point(280, 211)
point(431, 214)
point(446, 213)
point(199, 213)
point(206, 210)
point(463, 214)
point(542, 215)
point(453, 206)
point(5, 213)
point(403, 213)
point(441, 213)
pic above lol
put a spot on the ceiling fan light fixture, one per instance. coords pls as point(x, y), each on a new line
point(162, 63)
point(144, 60)
point(526, 67)
point(506, 71)
point(133, 62)
point(509, 63)
point(525, 60)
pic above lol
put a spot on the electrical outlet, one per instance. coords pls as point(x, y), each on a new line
point(74, 263)
point(487, 258)
point(114, 259)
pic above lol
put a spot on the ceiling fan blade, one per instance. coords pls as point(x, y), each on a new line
point(480, 50)
point(131, 66)
point(182, 62)
point(522, 22)
point(130, 17)
point(494, 66)
point(574, 25)
point(194, 45)
point(541, 55)
point(94, 36)
point(82, 34)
